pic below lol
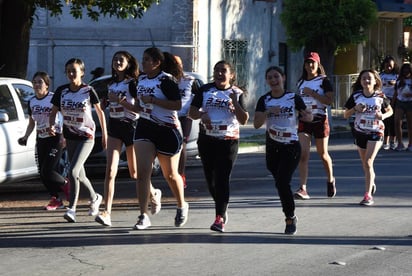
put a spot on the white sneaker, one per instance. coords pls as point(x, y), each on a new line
point(143, 222)
point(94, 205)
point(70, 215)
point(156, 202)
point(181, 215)
point(104, 219)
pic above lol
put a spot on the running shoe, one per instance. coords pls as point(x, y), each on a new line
point(301, 194)
point(331, 188)
point(104, 218)
point(290, 228)
point(367, 200)
point(156, 202)
point(393, 146)
point(409, 148)
point(94, 205)
point(218, 225)
point(386, 146)
point(70, 215)
point(181, 215)
point(400, 147)
point(143, 222)
point(66, 189)
point(54, 204)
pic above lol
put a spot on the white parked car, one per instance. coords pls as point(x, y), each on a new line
point(17, 162)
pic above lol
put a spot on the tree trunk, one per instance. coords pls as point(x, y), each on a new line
point(15, 27)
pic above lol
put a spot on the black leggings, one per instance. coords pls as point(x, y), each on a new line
point(282, 160)
point(218, 158)
point(49, 152)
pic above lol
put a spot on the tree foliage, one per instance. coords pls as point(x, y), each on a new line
point(17, 16)
point(332, 23)
point(96, 8)
point(327, 26)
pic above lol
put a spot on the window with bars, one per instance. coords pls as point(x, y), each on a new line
point(235, 52)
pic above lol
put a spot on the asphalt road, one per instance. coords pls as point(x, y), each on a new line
point(335, 236)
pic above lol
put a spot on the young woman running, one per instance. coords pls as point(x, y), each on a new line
point(221, 109)
point(317, 93)
point(370, 107)
point(279, 109)
point(389, 74)
point(158, 134)
point(121, 128)
point(75, 101)
point(48, 148)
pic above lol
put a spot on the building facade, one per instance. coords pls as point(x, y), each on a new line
point(247, 33)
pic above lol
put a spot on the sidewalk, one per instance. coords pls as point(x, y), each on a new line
point(339, 130)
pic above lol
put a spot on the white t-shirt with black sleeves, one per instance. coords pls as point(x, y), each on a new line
point(218, 105)
point(282, 127)
point(404, 90)
point(125, 88)
point(186, 91)
point(366, 122)
point(163, 86)
point(320, 84)
point(387, 88)
point(76, 108)
point(39, 109)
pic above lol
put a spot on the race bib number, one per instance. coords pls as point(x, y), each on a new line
point(281, 134)
point(42, 131)
point(310, 103)
point(147, 110)
point(217, 129)
point(73, 121)
point(116, 111)
point(369, 122)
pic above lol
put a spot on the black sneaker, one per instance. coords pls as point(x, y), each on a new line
point(181, 215)
point(331, 188)
point(218, 225)
point(291, 225)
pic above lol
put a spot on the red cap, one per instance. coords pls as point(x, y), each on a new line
point(313, 56)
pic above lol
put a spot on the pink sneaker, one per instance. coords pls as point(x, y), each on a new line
point(54, 204)
point(367, 200)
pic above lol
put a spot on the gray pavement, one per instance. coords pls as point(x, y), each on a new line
point(335, 236)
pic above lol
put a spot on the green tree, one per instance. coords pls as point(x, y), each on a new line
point(327, 26)
point(16, 18)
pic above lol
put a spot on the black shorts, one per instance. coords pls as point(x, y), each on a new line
point(167, 140)
point(123, 130)
point(186, 124)
point(361, 139)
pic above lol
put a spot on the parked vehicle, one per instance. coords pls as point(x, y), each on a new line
point(97, 158)
point(17, 162)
